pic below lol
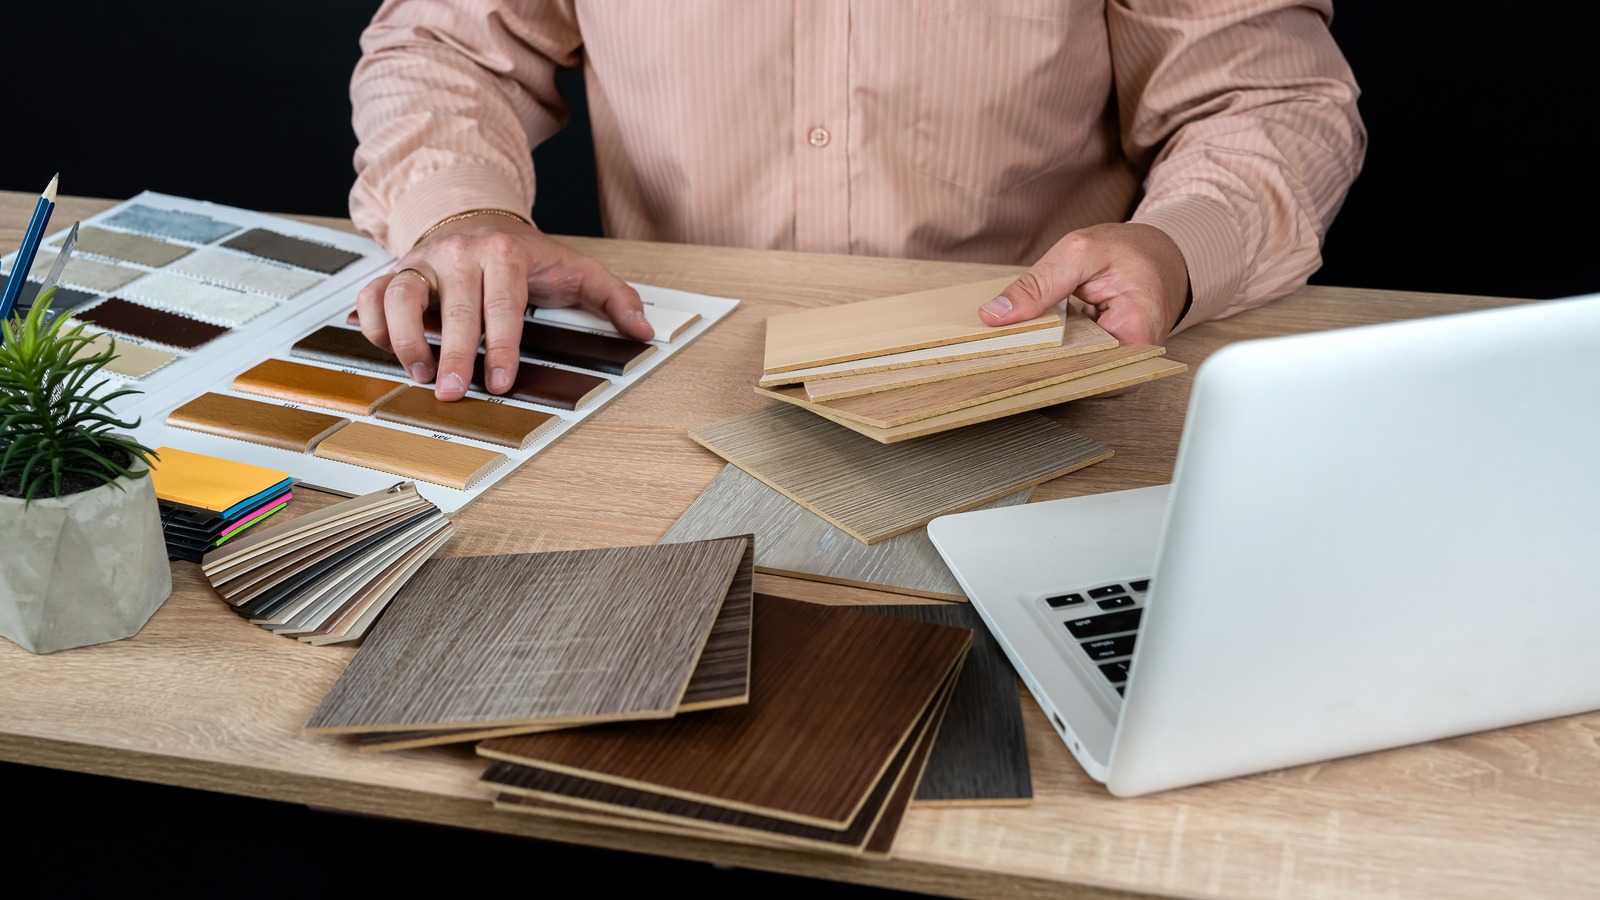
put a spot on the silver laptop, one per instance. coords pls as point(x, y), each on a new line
point(1373, 537)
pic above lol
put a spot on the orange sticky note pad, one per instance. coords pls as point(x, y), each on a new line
point(208, 482)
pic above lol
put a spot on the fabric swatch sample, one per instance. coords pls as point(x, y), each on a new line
point(208, 482)
point(295, 382)
point(171, 223)
point(129, 247)
point(244, 273)
point(453, 465)
point(480, 420)
point(295, 430)
point(207, 302)
point(131, 360)
point(63, 299)
point(149, 324)
point(98, 277)
point(292, 250)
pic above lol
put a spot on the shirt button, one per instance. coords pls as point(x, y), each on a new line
point(819, 137)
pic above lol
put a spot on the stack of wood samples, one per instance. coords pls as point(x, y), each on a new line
point(843, 710)
point(325, 577)
point(495, 645)
point(900, 367)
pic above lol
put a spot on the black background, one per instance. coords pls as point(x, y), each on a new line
point(1478, 180)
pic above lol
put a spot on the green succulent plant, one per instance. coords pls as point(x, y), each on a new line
point(56, 427)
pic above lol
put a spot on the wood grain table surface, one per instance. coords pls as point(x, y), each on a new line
point(203, 700)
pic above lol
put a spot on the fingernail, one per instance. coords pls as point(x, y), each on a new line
point(997, 307)
point(499, 380)
point(419, 373)
point(452, 382)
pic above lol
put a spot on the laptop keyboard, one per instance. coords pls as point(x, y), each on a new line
point(1103, 622)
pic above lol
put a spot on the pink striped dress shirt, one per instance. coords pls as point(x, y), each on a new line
point(978, 130)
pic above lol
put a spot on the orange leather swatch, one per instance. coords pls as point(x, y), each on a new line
point(402, 453)
point(296, 430)
point(481, 420)
point(296, 382)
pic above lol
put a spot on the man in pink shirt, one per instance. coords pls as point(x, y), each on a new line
point(1167, 161)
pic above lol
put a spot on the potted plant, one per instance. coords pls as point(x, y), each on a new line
point(82, 557)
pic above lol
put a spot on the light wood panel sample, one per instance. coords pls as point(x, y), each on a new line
point(873, 492)
point(561, 638)
point(481, 420)
point(820, 389)
point(1076, 389)
point(835, 694)
point(295, 382)
point(833, 334)
point(1043, 339)
point(791, 540)
point(887, 409)
point(428, 459)
point(981, 755)
point(295, 430)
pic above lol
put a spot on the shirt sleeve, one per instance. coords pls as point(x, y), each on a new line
point(1245, 114)
point(449, 98)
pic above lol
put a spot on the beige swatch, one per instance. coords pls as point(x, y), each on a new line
point(131, 247)
point(131, 360)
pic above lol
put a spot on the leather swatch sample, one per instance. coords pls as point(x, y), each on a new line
point(63, 299)
point(91, 275)
point(567, 346)
point(171, 223)
point(835, 695)
point(156, 325)
point(295, 382)
point(560, 638)
point(427, 459)
point(130, 247)
point(131, 360)
point(792, 540)
point(480, 420)
point(295, 430)
point(874, 492)
point(207, 302)
point(292, 250)
point(981, 755)
point(245, 273)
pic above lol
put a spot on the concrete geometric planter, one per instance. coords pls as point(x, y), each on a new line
point(82, 569)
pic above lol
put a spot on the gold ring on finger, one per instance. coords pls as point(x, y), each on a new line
point(426, 283)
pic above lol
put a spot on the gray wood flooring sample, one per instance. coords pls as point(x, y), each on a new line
point(792, 540)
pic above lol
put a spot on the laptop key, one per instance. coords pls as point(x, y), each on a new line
point(1109, 623)
point(1115, 602)
point(1107, 591)
point(1116, 672)
point(1061, 600)
point(1110, 648)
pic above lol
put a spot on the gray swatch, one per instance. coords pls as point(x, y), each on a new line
point(65, 298)
point(170, 223)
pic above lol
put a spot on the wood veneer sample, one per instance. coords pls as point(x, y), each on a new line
point(357, 614)
point(295, 430)
point(873, 492)
point(265, 607)
point(245, 554)
point(823, 389)
point(344, 347)
point(568, 346)
point(791, 540)
point(834, 334)
point(981, 755)
point(295, 382)
point(454, 465)
point(563, 638)
point(1076, 389)
point(240, 585)
point(1045, 338)
point(667, 323)
point(130, 247)
point(481, 420)
point(157, 325)
point(292, 250)
point(835, 695)
point(887, 409)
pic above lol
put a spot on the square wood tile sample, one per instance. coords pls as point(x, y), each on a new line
point(874, 492)
point(836, 694)
point(982, 348)
point(553, 639)
point(794, 541)
point(833, 334)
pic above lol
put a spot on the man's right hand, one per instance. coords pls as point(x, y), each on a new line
point(482, 272)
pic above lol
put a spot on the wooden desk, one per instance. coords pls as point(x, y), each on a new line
point(200, 699)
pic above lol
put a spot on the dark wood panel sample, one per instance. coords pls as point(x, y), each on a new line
point(874, 491)
point(568, 637)
point(295, 382)
point(156, 325)
point(834, 695)
point(292, 250)
point(295, 430)
point(567, 346)
point(481, 420)
point(344, 347)
point(981, 756)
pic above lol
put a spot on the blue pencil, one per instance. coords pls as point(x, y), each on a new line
point(30, 247)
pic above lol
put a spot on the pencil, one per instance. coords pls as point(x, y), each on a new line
point(30, 247)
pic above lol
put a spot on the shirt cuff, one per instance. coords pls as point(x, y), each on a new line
point(1208, 236)
point(446, 192)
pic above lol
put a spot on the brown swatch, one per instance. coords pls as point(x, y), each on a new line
point(581, 349)
point(155, 325)
point(295, 382)
point(343, 347)
point(295, 430)
point(427, 459)
point(481, 420)
point(835, 695)
point(874, 492)
point(131, 247)
point(294, 251)
point(561, 638)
